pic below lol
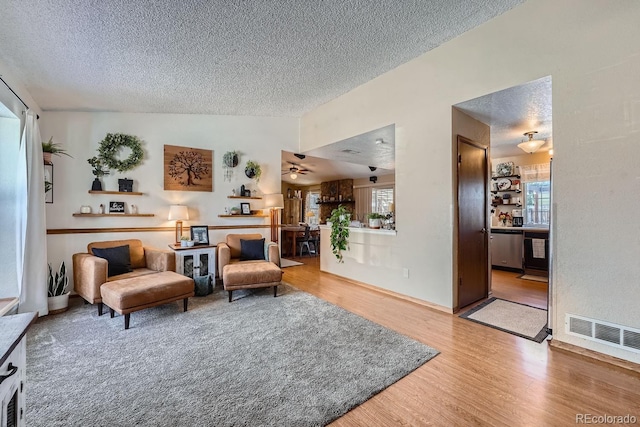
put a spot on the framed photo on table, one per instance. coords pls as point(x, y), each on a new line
point(200, 234)
point(245, 208)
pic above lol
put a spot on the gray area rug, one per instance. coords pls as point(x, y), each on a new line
point(294, 360)
point(508, 316)
point(284, 263)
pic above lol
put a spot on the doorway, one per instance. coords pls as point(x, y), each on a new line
point(473, 245)
point(508, 115)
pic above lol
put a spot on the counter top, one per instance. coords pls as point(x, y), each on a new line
point(538, 229)
point(13, 329)
point(365, 230)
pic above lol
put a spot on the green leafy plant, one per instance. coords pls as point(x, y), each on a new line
point(98, 166)
point(110, 146)
point(339, 219)
point(253, 170)
point(375, 215)
point(230, 159)
point(58, 285)
point(54, 148)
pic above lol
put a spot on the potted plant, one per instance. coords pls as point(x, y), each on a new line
point(99, 171)
point(58, 292)
point(375, 219)
point(339, 219)
point(230, 159)
point(50, 148)
point(253, 170)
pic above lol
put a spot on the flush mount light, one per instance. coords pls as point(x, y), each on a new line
point(531, 146)
point(379, 141)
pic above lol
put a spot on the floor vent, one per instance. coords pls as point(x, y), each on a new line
point(603, 332)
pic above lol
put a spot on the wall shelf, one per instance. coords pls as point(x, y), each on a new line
point(244, 216)
point(123, 193)
point(243, 197)
point(112, 215)
point(334, 202)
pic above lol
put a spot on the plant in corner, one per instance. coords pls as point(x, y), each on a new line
point(339, 219)
point(58, 292)
point(253, 170)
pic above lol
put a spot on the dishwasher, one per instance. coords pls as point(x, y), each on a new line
point(506, 249)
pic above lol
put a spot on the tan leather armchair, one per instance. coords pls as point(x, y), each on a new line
point(90, 272)
point(229, 250)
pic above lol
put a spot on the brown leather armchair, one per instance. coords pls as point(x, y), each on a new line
point(229, 250)
point(90, 272)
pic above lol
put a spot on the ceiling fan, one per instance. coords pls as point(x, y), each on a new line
point(295, 170)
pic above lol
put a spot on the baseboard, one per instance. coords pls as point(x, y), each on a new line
point(394, 294)
point(625, 365)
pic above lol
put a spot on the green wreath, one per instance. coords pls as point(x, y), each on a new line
point(110, 146)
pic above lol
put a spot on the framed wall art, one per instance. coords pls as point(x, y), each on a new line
point(245, 208)
point(200, 234)
point(188, 169)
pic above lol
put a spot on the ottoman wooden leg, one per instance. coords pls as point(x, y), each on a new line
point(127, 317)
point(99, 309)
point(186, 300)
point(111, 312)
point(230, 292)
point(275, 290)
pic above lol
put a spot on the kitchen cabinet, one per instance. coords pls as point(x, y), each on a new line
point(292, 212)
point(506, 249)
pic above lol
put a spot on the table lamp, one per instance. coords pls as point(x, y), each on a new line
point(274, 202)
point(310, 216)
point(178, 213)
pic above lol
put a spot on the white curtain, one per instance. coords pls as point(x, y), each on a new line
point(535, 173)
point(32, 232)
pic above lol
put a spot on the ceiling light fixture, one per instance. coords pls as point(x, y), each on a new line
point(379, 141)
point(531, 146)
point(293, 175)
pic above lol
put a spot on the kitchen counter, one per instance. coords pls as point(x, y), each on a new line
point(538, 229)
point(13, 329)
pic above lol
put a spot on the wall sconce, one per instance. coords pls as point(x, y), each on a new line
point(178, 213)
point(531, 146)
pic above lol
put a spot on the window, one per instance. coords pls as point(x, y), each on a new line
point(381, 199)
point(537, 202)
point(311, 205)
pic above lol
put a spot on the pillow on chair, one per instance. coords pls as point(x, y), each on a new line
point(118, 259)
point(251, 249)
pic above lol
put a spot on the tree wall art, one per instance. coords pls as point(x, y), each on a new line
point(188, 169)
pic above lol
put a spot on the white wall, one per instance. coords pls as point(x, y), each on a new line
point(591, 50)
point(257, 138)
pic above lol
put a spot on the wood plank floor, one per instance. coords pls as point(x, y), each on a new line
point(482, 376)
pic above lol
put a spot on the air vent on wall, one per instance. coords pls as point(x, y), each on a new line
point(618, 336)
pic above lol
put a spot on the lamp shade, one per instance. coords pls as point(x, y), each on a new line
point(531, 146)
point(178, 212)
point(275, 201)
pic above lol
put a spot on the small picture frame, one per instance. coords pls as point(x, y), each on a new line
point(116, 207)
point(200, 234)
point(245, 208)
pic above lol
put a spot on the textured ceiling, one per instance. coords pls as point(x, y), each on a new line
point(265, 58)
point(512, 112)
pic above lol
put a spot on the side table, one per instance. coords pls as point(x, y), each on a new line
point(195, 261)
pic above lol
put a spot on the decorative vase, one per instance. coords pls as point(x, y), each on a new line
point(58, 304)
point(46, 156)
point(97, 185)
point(504, 222)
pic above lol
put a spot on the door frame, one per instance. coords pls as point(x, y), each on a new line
point(456, 265)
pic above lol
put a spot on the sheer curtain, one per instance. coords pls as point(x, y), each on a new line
point(32, 234)
point(535, 173)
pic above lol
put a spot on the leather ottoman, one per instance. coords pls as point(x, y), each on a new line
point(136, 293)
point(251, 274)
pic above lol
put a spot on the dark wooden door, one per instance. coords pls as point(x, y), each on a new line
point(473, 244)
